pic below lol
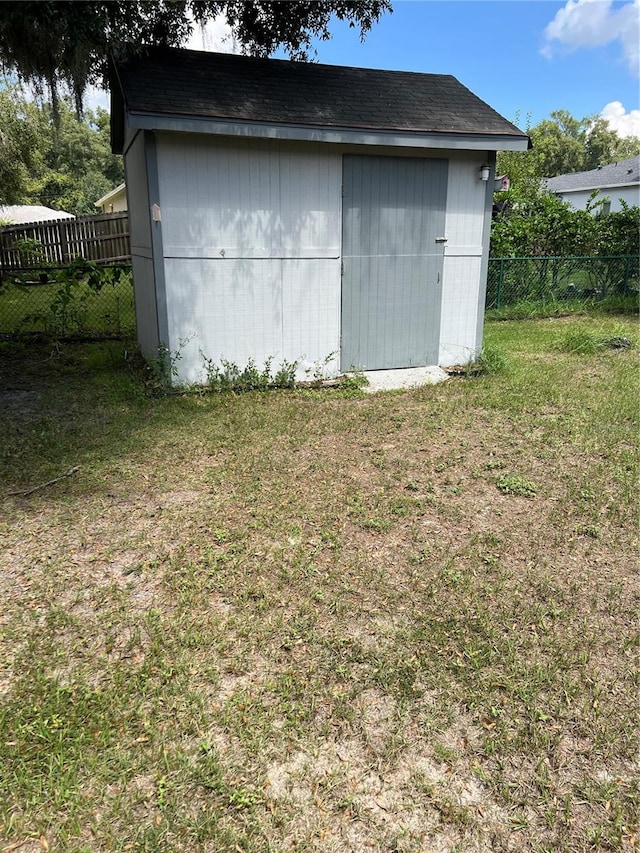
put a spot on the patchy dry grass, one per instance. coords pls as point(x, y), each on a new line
point(313, 620)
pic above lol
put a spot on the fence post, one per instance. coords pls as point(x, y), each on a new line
point(627, 274)
point(500, 283)
point(64, 245)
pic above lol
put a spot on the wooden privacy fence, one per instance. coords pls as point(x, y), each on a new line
point(104, 239)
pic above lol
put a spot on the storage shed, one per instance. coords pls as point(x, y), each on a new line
point(301, 212)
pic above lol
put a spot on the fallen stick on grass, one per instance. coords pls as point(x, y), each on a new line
point(24, 492)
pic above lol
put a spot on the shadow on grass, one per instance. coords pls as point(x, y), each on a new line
point(64, 405)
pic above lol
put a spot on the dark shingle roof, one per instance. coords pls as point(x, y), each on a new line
point(615, 174)
point(240, 88)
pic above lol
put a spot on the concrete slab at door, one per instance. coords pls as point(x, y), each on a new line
point(393, 213)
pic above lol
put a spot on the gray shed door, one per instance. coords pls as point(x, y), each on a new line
point(392, 214)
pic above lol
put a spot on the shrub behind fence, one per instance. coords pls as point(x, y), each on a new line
point(558, 279)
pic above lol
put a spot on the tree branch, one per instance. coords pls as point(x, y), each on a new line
point(24, 492)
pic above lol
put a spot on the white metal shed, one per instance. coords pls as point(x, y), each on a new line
point(304, 212)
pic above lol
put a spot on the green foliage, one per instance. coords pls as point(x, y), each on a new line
point(491, 360)
point(228, 376)
point(581, 340)
point(285, 375)
point(514, 484)
point(354, 380)
point(67, 167)
point(67, 302)
point(164, 367)
point(49, 43)
point(18, 143)
point(30, 251)
point(541, 224)
point(564, 144)
point(617, 232)
point(535, 222)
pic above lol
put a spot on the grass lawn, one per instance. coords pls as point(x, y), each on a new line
point(67, 306)
point(318, 620)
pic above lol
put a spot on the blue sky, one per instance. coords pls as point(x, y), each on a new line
point(525, 57)
point(508, 51)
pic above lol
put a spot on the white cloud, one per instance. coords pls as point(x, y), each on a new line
point(215, 35)
point(96, 97)
point(594, 23)
point(623, 122)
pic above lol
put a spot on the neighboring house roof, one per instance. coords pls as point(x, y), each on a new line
point(110, 195)
point(624, 173)
point(22, 214)
point(247, 89)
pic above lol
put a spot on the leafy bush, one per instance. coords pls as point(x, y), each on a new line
point(228, 376)
point(354, 380)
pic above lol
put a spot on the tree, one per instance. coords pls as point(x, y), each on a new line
point(48, 42)
point(531, 221)
point(563, 144)
point(67, 168)
point(603, 145)
point(558, 144)
point(19, 144)
point(78, 166)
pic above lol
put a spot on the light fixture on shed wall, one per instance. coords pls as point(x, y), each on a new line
point(484, 172)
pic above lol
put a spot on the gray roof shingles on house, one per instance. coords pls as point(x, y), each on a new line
point(614, 175)
point(239, 88)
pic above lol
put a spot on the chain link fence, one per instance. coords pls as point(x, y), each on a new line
point(91, 301)
point(81, 300)
point(560, 279)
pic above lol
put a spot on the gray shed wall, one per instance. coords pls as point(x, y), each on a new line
point(141, 246)
point(251, 242)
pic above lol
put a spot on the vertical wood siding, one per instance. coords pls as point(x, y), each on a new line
point(394, 210)
point(145, 303)
point(141, 253)
point(251, 235)
point(247, 199)
point(458, 343)
point(462, 263)
point(138, 193)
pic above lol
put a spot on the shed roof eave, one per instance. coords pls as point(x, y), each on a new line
point(325, 134)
